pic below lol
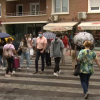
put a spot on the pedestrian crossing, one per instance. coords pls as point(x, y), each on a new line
point(24, 85)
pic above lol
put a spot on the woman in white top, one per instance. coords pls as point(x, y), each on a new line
point(29, 43)
point(25, 53)
point(34, 44)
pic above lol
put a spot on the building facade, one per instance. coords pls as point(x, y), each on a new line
point(29, 16)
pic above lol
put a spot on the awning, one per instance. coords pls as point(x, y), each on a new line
point(89, 26)
point(67, 25)
point(26, 22)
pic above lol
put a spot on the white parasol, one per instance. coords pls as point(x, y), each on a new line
point(81, 37)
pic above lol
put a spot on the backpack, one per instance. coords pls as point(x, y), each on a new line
point(8, 53)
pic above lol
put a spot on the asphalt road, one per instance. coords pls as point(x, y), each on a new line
point(27, 86)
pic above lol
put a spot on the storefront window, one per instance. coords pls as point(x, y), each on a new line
point(96, 35)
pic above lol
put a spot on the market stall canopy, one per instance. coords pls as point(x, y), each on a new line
point(58, 29)
point(67, 25)
point(89, 26)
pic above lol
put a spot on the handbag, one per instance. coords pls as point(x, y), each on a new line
point(31, 52)
point(19, 51)
point(77, 69)
point(8, 53)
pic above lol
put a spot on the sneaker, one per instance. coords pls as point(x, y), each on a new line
point(19, 68)
point(86, 96)
point(35, 72)
point(7, 75)
point(41, 72)
point(55, 74)
point(3, 68)
point(59, 71)
point(13, 72)
point(27, 68)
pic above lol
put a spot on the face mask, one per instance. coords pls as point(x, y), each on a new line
point(40, 35)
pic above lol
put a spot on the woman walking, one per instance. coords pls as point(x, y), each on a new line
point(29, 44)
point(9, 46)
point(25, 53)
point(86, 57)
point(73, 55)
point(3, 64)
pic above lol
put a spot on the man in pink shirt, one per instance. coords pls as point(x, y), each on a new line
point(41, 43)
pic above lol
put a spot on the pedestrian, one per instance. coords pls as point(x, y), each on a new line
point(41, 43)
point(25, 53)
point(34, 44)
point(73, 55)
point(47, 53)
point(2, 63)
point(31, 36)
point(66, 46)
point(19, 51)
point(78, 48)
point(86, 57)
point(56, 52)
point(29, 44)
point(9, 47)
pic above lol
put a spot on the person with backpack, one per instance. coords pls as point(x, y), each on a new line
point(8, 53)
point(56, 49)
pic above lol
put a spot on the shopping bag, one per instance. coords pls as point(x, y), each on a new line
point(31, 52)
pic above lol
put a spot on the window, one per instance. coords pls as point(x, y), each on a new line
point(19, 9)
point(60, 6)
point(34, 8)
point(93, 5)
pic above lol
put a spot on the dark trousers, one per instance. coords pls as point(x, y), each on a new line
point(48, 59)
point(10, 65)
point(57, 61)
point(84, 78)
point(38, 54)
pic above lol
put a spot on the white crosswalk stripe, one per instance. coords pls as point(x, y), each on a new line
point(46, 85)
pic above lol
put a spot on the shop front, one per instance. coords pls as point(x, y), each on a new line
point(19, 29)
point(94, 29)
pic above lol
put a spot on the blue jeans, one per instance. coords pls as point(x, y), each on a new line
point(84, 78)
point(4, 61)
point(23, 56)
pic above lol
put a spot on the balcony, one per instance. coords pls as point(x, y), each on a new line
point(23, 8)
point(22, 14)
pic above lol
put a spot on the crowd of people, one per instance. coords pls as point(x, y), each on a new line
point(49, 49)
